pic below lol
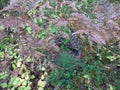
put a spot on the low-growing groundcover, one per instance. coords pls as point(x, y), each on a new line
point(98, 69)
point(41, 48)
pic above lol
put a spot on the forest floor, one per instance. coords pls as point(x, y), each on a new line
point(60, 45)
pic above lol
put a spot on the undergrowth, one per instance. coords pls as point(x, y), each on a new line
point(66, 68)
point(30, 66)
point(86, 7)
point(94, 71)
point(3, 3)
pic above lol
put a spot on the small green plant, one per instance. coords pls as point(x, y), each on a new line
point(21, 82)
point(93, 74)
point(28, 29)
point(65, 29)
point(4, 44)
point(65, 71)
point(42, 34)
point(31, 13)
point(41, 22)
point(86, 7)
point(45, 33)
point(3, 76)
point(50, 13)
point(62, 11)
point(65, 10)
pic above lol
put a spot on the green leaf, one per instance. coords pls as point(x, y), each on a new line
point(24, 88)
point(32, 77)
point(86, 76)
point(3, 75)
point(3, 85)
point(43, 68)
point(16, 80)
point(29, 59)
point(13, 66)
point(23, 75)
point(20, 59)
point(27, 77)
point(29, 29)
point(41, 83)
point(40, 88)
point(111, 58)
point(42, 77)
point(19, 64)
point(12, 88)
point(24, 83)
point(11, 80)
point(111, 87)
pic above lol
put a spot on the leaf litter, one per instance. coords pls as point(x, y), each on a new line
point(107, 27)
